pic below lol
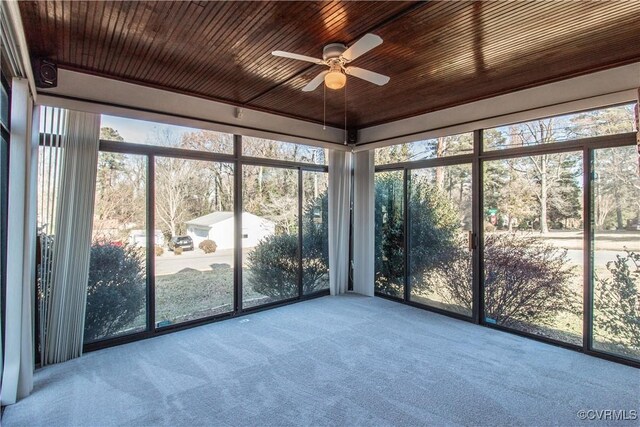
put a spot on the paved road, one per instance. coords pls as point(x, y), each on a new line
point(601, 258)
point(169, 263)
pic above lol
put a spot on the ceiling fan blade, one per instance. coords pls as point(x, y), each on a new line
point(362, 46)
point(367, 75)
point(296, 56)
point(317, 81)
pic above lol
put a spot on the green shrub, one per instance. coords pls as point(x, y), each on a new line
point(159, 250)
point(526, 280)
point(177, 250)
point(617, 301)
point(273, 264)
point(433, 228)
point(208, 246)
point(115, 291)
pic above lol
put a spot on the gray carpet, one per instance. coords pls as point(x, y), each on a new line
point(343, 361)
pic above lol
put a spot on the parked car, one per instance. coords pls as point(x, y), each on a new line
point(184, 242)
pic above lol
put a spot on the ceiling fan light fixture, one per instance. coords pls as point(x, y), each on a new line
point(335, 79)
point(337, 57)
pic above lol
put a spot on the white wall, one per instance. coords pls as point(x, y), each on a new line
point(223, 233)
point(613, 86)
point(257, 228)
point(198, 233)
point(85, 92)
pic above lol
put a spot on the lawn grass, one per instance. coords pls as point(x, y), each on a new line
point(192, 294)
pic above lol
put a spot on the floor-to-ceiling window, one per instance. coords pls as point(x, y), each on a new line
point(441, 237)
point(615, 257)
point(194, 239)
point(315, 232)
point(530, 227)
point(193, 225)
point(389, 233)
point(117, 288)
point(284, 221)
point(270, 228)
point(424, 223)
point(533, 238)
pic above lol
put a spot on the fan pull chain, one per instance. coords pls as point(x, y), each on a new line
point(324, 106)
point(345, 114)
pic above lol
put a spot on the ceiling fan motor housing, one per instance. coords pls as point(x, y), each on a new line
point(333, 51)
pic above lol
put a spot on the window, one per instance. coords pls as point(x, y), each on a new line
point(315, 232)
point(531, 206)
point(389, 233)
point(121, 129)
point(615, 210)
point(271, 267)
point(440, 229)
point(195, 240)
point(604, 121)
point(187, 259)
point(427, 149)
point(279, 150)
point(533, 259)
point(117, 288)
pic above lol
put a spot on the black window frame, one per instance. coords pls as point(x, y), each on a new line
point(150, 152)
point(586, 146)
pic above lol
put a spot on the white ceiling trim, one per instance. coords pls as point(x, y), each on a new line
point(613, 86)
point(85, 92)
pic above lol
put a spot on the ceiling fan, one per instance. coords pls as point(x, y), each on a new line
point(336, 56)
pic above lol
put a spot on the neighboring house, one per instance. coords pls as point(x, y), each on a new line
point(219, 227)
point(139, 238)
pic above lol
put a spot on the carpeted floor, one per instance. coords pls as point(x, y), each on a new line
point(344, 361)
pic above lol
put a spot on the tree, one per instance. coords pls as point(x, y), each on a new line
point(120, 192)
point(267, 148)
point(389, 233)
point(616, 187)
point(186, 189)
point(315, 240)
point(545, 177)
point(272, 193)
point(174, 188)
point(429, 148)
point(615, 190)
point(115, 291)
point(526, 279)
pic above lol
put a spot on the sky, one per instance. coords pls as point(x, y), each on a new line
point(139, 131)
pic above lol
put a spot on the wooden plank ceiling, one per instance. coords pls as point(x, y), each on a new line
point(438, 54)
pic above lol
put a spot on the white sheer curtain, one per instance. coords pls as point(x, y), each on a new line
point(339, 206)
point(17, 378)
point(363, 224)
point(66, 293)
